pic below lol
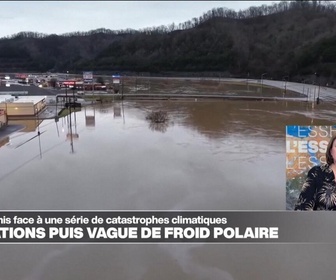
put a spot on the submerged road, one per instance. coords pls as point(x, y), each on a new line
point(311, 91)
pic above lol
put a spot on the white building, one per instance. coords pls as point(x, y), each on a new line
point(22, 105)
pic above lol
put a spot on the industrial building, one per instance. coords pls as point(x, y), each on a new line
point(22, 105)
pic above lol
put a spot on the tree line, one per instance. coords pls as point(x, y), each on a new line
point(221, 12)
point(290, 38)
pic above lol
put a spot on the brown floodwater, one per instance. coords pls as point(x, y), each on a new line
point(211, 155)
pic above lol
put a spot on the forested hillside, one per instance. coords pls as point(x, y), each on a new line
point(293, 40)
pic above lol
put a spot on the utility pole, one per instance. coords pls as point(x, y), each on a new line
point(122, 87)
point(262, 77)
point(285, 79)
point(319, 87)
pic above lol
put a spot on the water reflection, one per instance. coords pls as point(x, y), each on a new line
point(28, 125)
point(191, 164)
point(4, 141)
point(72, 133)
point(216, 155)
point(117, 111)
point(161, 127)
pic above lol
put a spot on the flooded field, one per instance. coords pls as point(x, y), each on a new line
point(211, 155)
point(201, 86)
point(122, 161)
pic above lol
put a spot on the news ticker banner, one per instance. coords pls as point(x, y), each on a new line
point(306, 147)
point(166, 227)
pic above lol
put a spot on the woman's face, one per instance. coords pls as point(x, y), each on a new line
point(333, 150)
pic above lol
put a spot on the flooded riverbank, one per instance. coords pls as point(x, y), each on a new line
point(195, 161)
point(209, 156)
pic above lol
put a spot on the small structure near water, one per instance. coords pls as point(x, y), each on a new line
point(22, 105)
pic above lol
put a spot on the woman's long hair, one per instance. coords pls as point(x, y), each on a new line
point(329, 158)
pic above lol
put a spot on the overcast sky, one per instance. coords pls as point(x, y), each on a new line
point(58, 17)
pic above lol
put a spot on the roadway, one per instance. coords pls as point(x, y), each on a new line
point(310, 91)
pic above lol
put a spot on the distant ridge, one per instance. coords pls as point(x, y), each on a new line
point(292, 40)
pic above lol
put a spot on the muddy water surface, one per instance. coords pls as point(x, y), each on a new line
point(210, 155)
